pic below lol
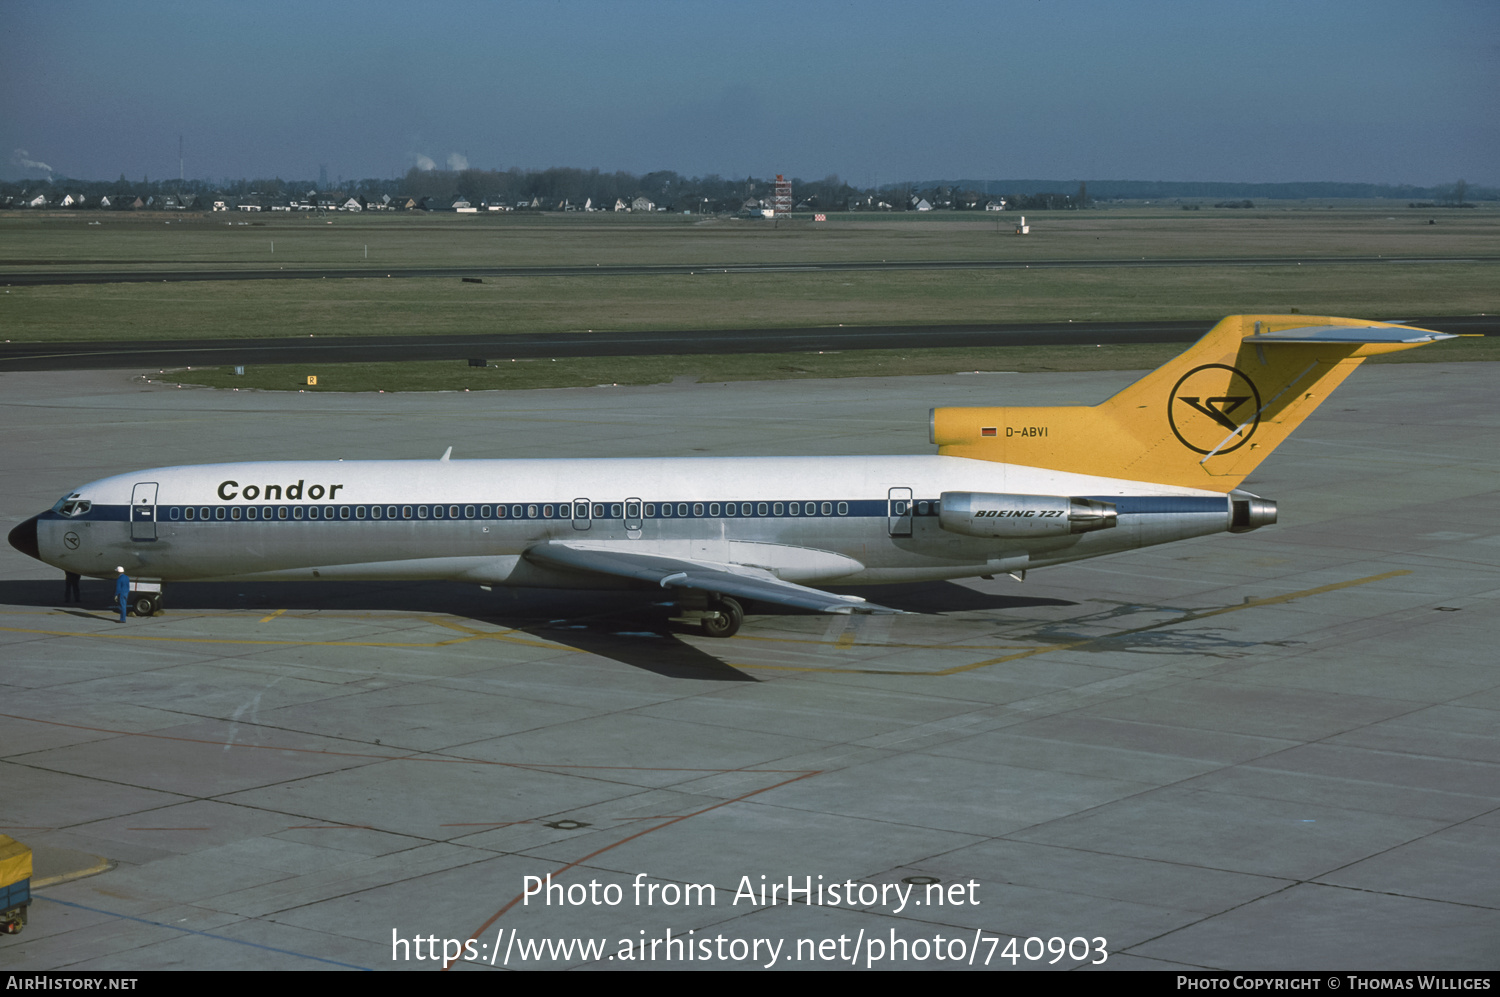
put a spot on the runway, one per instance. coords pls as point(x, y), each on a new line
point(88, 355)
point(1279, 750)
point(28, 277)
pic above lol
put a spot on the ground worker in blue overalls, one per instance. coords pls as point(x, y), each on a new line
point(122, 591)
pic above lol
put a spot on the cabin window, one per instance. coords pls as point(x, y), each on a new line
point(632, 510)
point(374, 512)
point(713, 508)
point(484, 512)
point(616, 510)
point(697, 508)
point(795, 509)
point(191, 512)
point(390, 512)
point(359, 512)
point(546, 512)
point(776, 509)
point(729, 508)
point(761, 509)
point(650, 510)
point(281, 512)
point(921, 508)
point(250, 512)
point(453, 512)
point(598, 510)
point(268, 512)
point(827, 508)
point(421, 512)
point(406, 512)
point(312, 512)
point(843, 508)
point(468, 511)
point(219, 512)
point(203, 512)
point(234, 512)
point(174, 513)
point(296, 512)
point(531, 512)
point(343, 512)
point(682, 508)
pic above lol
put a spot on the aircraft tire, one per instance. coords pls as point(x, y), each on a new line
point(141, 604)
point(727, 622)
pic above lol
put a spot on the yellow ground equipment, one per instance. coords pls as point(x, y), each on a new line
point(15, 884)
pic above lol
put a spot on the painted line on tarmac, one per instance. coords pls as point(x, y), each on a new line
point(1187, 617)
point(508, 636)
point(203, 934)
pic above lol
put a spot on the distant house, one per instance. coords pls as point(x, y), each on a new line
point(642, 203)
point(34, 200)
point(620, 204)
point(921, 204)
point(352, 204)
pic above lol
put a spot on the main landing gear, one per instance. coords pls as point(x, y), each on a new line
point(716, 615)
point(723, 619)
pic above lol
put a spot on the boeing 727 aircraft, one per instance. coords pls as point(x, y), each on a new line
point(1010, 489)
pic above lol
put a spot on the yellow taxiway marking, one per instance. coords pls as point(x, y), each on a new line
point(268, 619)
point(464, 634)
point(1187, 617)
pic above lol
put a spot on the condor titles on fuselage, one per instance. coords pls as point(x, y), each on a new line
point(1010, 489)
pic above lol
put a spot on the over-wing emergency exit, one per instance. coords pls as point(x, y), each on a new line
point(1010, 490)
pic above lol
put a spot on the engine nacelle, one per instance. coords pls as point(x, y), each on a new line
point(983, 514)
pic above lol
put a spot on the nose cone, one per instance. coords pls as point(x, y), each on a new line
point(23, 538)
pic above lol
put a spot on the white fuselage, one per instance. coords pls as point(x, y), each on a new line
point(811, 520)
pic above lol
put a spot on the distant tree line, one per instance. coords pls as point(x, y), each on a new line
point(570, 188)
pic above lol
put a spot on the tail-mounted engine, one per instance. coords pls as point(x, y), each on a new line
point(1251, 512)
point(982, 514)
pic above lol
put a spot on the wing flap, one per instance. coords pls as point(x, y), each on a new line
point(708, 576)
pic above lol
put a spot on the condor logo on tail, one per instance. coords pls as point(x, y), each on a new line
point(1214, 409)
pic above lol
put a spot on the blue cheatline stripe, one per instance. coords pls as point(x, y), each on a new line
point(1163, 505)
point(206, 934)
point(1131, 505)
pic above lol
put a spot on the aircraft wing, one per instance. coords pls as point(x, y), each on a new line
point(679, 572)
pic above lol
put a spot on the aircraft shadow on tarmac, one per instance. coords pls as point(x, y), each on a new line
point(631, 627)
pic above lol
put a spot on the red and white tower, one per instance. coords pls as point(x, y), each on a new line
point(781, 203)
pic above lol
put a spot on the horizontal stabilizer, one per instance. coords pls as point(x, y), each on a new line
point(1351, 335)
point(677, 572)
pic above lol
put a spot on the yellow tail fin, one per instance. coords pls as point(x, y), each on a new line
point(1204, 419)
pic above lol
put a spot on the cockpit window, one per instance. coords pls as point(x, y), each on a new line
point(72, 505)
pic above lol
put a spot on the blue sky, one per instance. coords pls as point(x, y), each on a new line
point(1372, 91)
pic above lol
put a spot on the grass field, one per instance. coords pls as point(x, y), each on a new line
point(447, 306)
point(713, 301)
point(578, 372)
point(60, 240)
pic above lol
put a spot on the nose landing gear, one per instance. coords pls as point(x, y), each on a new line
point(145, 603)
